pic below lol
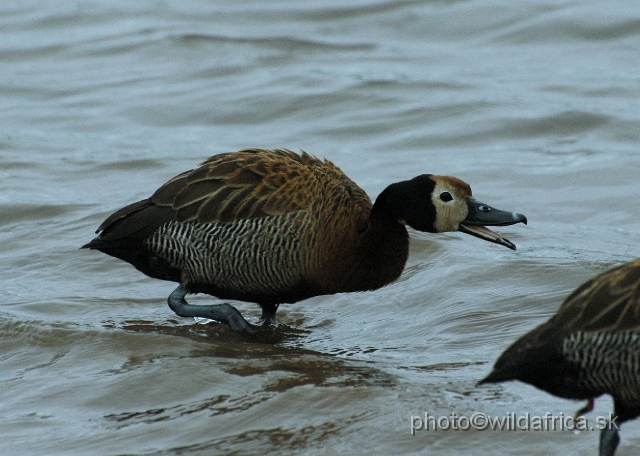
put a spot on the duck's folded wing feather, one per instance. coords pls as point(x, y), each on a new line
point(242, 185)
point(609, 301)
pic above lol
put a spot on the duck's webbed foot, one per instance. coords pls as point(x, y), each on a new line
point(268, 317)
point(224, 313)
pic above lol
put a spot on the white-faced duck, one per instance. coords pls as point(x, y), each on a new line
point(274, 227)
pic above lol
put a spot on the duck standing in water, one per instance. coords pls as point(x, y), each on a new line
point(273, 227)
point(589, 348)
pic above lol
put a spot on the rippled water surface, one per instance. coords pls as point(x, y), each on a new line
point(536, 104)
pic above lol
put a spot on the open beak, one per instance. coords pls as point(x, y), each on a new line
point(481, 214)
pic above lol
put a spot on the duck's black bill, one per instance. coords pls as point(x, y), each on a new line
point(480, 215)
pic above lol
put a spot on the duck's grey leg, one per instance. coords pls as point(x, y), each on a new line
point(268, 317)
point(609, 439)
point(224, 313)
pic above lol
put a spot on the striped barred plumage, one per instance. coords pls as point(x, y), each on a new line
point(608, 360)
point(260, 255)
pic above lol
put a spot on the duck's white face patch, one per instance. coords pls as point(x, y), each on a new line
point(449, 197)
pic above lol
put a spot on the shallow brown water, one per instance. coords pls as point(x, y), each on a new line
point(536, 105)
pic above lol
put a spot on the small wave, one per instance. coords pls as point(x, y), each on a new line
point(11, 214)
point(281, 43)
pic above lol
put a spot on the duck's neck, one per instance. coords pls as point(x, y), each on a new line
point(377, 255)
point(383, 249)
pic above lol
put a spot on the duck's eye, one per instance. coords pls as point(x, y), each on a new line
point(446, 196)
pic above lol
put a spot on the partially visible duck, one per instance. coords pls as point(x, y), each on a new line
point(589, 348)
point(273, 227)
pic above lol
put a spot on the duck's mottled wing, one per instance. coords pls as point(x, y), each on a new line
point(356, 195)
point(610, 301)
point(242, 185)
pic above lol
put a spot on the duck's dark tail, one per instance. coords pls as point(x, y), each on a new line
point(123, 235)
